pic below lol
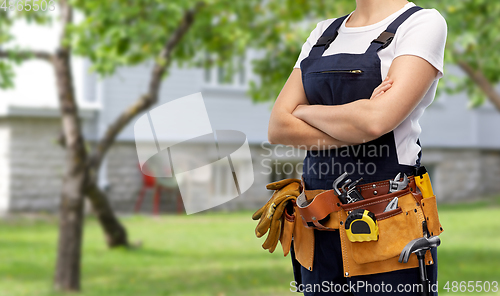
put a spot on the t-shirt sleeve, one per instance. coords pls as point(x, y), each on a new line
point(311, 40)
point(425, 37)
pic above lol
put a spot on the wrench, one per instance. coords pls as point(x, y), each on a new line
point(392, 205)
point(398, 184)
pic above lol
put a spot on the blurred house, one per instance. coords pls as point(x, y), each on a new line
point(461, 147)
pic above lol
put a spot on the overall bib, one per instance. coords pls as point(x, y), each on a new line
point(335, 80)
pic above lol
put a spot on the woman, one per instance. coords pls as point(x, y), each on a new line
point(354, 104)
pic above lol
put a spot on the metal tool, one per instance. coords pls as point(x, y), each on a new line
point(361, 226)
point(349, 193)
point(302, 201)
point(341, 197)
point(353, 192)
point(337, 181)
point(398, 184)
point(392, 205)
point(419, 246)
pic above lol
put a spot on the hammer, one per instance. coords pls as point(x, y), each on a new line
point(419, 246)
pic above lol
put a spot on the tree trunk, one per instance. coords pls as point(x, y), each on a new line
point(67, 274)
point(115, 233)
point(482, 82)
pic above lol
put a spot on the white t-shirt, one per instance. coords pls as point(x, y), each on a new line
point(423, 34)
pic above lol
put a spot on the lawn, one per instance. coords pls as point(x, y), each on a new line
point(215, 254)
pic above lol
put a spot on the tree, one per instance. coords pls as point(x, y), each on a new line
point(123, 33)
point(472, 45)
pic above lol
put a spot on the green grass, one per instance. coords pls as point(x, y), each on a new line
point(215, 254)
point(470, 248)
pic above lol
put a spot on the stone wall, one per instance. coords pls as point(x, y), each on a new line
point(125, 182)
point(4, 167)
point(36, 163)
point(463, 174)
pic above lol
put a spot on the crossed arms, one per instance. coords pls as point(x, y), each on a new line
point(295, 123)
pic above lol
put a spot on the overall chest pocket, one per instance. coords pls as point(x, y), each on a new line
point(337, 87)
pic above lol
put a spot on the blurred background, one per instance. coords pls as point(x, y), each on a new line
point(77, 213)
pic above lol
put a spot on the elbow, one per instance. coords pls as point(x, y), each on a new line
point(272, 135)
point(374, 130)
point(271, 140)
point(276, 131)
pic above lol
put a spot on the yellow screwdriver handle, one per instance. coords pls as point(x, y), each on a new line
point(424, 184)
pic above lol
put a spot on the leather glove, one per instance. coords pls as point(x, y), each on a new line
point(267, 212)
point(288, 227)
point(276, 224)
point(272, 213)
point(273, 186)
point(281, 183)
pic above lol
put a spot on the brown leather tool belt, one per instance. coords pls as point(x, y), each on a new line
point(414, 217)
point(316, 206)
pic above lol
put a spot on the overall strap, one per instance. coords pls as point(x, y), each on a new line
point(387, 36)
point(326, 38)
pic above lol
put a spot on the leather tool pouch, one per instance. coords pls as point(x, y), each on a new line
point(396, 229)
point(429, 207)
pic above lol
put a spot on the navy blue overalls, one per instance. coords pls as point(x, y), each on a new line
point(334, 80)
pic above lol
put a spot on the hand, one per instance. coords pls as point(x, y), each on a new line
point(382, 88)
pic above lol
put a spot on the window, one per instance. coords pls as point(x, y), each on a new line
point(223, 181)
point(218, 76)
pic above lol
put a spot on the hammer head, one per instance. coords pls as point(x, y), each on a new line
point(418, 244)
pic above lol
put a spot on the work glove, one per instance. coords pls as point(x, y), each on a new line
point(273, 186)
point(271, 214)
point(287, 227)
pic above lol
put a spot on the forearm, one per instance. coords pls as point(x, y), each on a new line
point(289, 130)
point(355, 122)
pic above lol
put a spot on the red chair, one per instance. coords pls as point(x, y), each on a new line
point(149, 182)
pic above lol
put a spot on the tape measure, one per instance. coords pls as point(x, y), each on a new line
point(361, 226)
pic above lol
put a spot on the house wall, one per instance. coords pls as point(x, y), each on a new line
point(125, 181)
point(32, 166)
point(462, 174)
point(35, 163)
point(32, 163)
point(456, 174)
point(4, 167)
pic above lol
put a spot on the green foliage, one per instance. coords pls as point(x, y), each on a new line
point(6, 74)
point(6, 40)
point(281, 41)
point(125, 32)
point(473, 37)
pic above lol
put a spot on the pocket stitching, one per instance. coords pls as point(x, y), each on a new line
point(378, 201)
